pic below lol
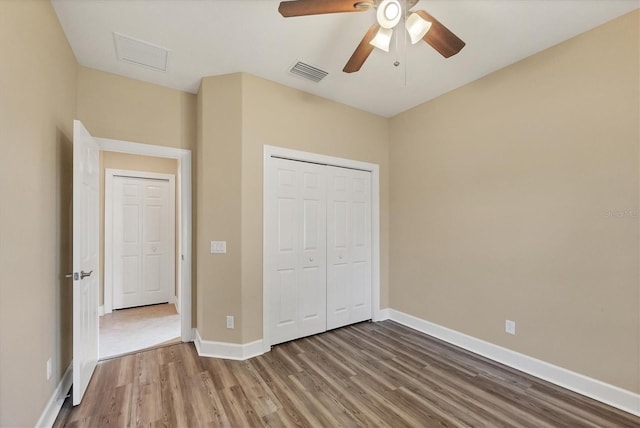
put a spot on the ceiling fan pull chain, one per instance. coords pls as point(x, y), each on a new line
point(396, 63)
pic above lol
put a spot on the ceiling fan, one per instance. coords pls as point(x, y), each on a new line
point(419, 24)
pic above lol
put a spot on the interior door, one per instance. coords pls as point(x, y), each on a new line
point(296, 252)
point(349, 286)
point(85, 258)
point(143, 241)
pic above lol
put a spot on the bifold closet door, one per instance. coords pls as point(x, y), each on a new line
point(295, 246)
point(348, 246)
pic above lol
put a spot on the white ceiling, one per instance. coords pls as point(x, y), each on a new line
point(213, 37)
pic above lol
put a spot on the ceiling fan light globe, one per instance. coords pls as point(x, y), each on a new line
point(389, 13)
point(382, 39)
point(417, 27)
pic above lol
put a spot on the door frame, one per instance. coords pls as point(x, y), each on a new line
point(109, 175)
point(296, 155)
point(184, 218)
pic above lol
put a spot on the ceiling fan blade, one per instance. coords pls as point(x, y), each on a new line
point(317, 7)
point(362, 52)
point(440, 37)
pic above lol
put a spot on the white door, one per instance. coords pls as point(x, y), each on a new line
point(296, 253)
point(85, 258)
point(348, 246)
point(143, 239)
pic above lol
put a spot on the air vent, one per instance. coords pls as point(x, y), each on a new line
point(141, 53)
point(308, 72)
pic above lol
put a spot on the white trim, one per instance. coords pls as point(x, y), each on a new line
point(382, 314)
point(109, 175)
point(101, 310)
point(268, 152)
point(174, 300)
point(317, 158)
point(184, 215)
point(107, 291)
point(51, 410)
point(229, 351)
point(593, 388)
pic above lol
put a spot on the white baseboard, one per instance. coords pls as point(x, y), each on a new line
point(382, 314)
point(592, 388)
point(54, 405)
point(101, 310)
point(229, 351)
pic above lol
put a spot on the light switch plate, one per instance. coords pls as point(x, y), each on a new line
point(218, 247)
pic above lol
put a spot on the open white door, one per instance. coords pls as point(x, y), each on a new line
point(85, 258)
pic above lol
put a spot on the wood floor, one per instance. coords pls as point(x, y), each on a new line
point(369, 374)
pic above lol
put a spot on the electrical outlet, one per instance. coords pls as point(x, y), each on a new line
point(49, 368)
point(510, 327)
point(229, 321)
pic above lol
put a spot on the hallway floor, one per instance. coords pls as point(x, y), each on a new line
point(130, 330)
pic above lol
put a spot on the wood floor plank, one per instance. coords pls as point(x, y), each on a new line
point(320, 392)
point(365, 375)
point(423, 381)
point(208, 400)
point(277, 378)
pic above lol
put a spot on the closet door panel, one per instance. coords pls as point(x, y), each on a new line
point(296, 250)
point(348, 247)
point(282, 252)
point(312, 262)
point(360, 215)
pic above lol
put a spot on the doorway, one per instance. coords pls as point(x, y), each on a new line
point(177, 312)
point(141, 307)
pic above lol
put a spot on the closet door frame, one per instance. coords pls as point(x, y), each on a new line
point(296, 155)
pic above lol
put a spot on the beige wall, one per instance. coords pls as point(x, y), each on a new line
point(218, 210)
point(241, 113)
point(37, 108)
point(120, 108)
point(114, 160)
point(500, 198)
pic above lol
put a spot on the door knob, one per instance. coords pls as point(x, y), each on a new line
point(310, 259)
point(76, 276)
